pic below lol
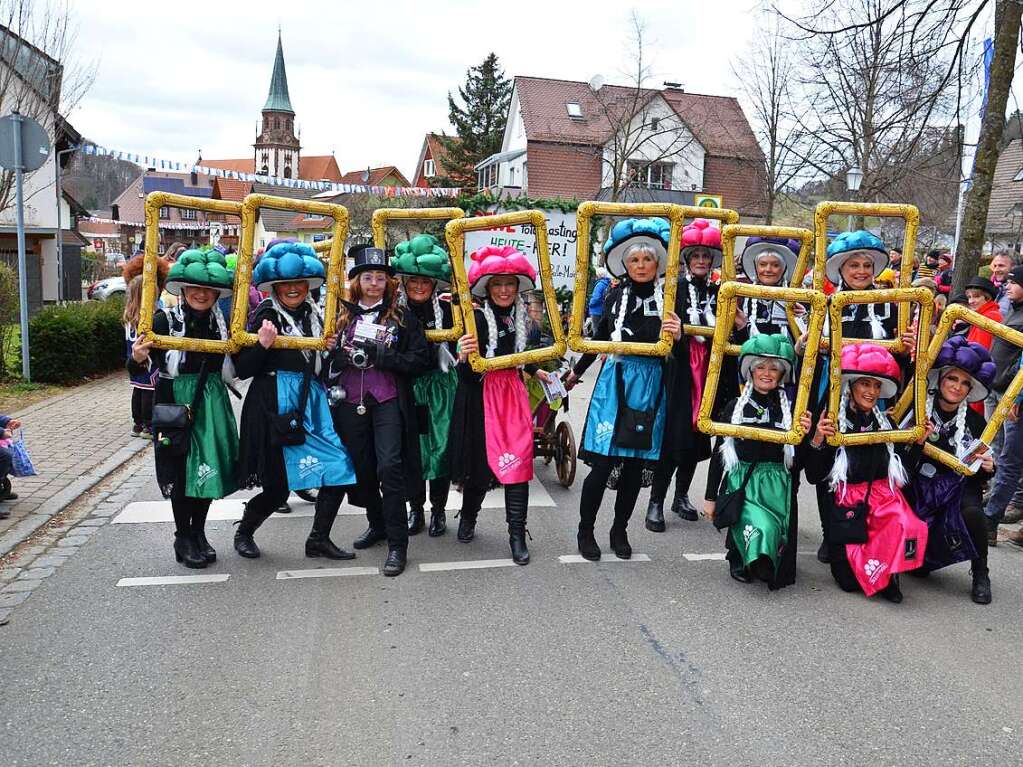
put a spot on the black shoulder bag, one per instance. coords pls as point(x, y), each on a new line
point(634, 429)
point(848, 524)
point(729, 505)
point(288, 429)
point(172, 423)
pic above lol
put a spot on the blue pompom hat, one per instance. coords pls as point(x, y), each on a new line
point(786, 250)
point(654, 232)
point(287, 262)
point(849, 244)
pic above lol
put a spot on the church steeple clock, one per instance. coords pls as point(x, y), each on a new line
point(277, 149)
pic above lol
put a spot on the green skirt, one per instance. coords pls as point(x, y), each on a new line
point(210, 466)
point(763, 524)
point(435, 391)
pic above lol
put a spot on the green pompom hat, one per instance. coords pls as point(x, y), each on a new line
point(775, 346)
point(422, 256)
point(205, 268)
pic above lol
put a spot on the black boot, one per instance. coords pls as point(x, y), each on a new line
point(251, 519)
point(588, 547)
point(202, 543)
point(371, 537)
point(681, 505)
point(318, 544)
point(472, 502)
point(655, 516)
point(981, 591)
point(438, 523)
point(739, 572)
point(416, 519)
point(892, 592)
point(186, 551)
point(620, 540)
point(823, 556)
point(517, 503)
point(395, 562)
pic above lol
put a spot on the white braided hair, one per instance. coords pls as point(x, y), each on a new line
point(897, 476)
point(291, 328)
point(518, 312)
point(623, 307)
point(694, 310)
point(729, 456)
point(876, 328)
point(958, 436)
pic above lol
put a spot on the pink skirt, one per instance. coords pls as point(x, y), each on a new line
point(896, 537)
point(509, 426)
point(699, 359)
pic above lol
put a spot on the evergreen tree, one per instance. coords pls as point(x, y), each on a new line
point(479, 121)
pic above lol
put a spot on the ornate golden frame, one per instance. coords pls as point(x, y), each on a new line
point(728, 302)
point(243, 275)
point(838, 301)
point(907, 213)
point(805, 236)
point(155, 201)
point(454, 233)
point(379, 224)
point(949, 317)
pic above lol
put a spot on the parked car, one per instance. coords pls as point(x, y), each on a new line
point(104, 289)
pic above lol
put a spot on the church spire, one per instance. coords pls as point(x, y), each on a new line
point(277, 99)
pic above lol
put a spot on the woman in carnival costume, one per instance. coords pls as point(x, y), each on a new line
point(868, 474)
point(381, 349)
point(492, 420)
point(684, 446)
point(952, 504)
point(770, 262)
point(143, 381)
point(193, 476)
point(762, 544)
point(626, 419)
point(279, 453)
point(425, 271)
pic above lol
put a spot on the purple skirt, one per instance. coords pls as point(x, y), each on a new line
point(937, 501)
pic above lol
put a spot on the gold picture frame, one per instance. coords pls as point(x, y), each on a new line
point(729, 234)
point(951, 315)
point(379, 225)
point(908, 213)
point(243, 274)
point(454, 233)
point(728, 302)
point(837, 302)
point(155, 201)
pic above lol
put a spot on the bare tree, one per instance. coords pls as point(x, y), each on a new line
point(767, 76)
point(39, 76)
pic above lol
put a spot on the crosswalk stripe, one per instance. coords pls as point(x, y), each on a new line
point(174, 580)
point(573, 559)
point(717, 556)
point(326, 572)
point(477, 564)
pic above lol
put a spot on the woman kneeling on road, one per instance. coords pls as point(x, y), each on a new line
point(196, 457)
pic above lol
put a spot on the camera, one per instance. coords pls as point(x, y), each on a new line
point(360, 358)
point(336, 394)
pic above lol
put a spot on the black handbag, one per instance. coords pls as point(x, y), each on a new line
point(848, 524)
point(288, 429)
point(172, 423)
point(729, 505)
point(634, 429)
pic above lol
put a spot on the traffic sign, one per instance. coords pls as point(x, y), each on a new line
point(35, 144)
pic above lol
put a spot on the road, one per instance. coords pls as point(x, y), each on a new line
point(665, 661)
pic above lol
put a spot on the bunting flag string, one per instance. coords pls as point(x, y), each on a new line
point(149, 161)
point(226, 228)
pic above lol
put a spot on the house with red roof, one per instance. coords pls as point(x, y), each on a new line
point(593, 141)
point(387, 175)
point(430, 167)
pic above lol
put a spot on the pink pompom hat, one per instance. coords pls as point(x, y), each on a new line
point(864, 360)
point(701, 233)
point(504, 261)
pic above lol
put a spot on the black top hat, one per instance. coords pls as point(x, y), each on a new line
point(368, 257)
point(984, 284)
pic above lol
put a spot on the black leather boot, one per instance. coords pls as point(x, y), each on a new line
point(251, 519)
point(202, 543)
point(318, 544)
point(823, 556)
point(371, 537)
point(655, 516)
point(517, 504)
point(395, 562)
point(416, 519)
point(472, 502)
point(588, 547)
point(186, 552)
point(981, 591)
point(739, 572)
point(681, 506)
point(438, 523)
point(620, 540)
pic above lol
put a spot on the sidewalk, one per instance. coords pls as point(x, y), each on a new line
point(75, 439)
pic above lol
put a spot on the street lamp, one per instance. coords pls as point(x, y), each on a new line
point(853, 179)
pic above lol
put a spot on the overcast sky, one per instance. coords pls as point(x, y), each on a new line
point(367, 79)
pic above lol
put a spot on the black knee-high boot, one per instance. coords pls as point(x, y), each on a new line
point(257, 511)
point(589, 504)
point(318, 544)
point(516, 504)
point(628, 491)
point(655, 508)
point(439, 489)
point(185, 550)
point(199, 514)
point(472, 502)
point(681, 504)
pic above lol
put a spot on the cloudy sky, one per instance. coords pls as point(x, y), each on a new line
point(367, 79)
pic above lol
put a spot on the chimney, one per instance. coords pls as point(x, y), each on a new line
point(673, 86)
point(115, 212)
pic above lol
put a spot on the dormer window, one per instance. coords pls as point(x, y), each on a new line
point(429, 169)
point(574, 110)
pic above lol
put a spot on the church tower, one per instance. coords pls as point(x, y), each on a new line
point(277, 149)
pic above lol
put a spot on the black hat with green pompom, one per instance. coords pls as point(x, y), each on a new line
point(205, 268)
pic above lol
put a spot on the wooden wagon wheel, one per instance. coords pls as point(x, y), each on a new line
point(565, 449)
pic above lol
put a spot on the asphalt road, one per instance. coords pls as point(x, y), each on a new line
point(666, 661)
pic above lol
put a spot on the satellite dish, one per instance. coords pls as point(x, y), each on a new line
point(596, 83)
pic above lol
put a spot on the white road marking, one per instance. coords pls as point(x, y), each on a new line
point(718, 556)
point(173, 580)
point(231, 509)
point(478, 564)
point(572, 559)
point(326, 572)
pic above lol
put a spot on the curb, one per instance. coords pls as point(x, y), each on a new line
point(27, 526)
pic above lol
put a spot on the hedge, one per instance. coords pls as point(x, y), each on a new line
point(72, 341)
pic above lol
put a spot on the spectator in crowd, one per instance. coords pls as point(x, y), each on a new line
point(595, 309)
point(7, 427)
point(1001, 263)
point(895, 258)
point(980, 296)
point(929, 268)
point(944, 275)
